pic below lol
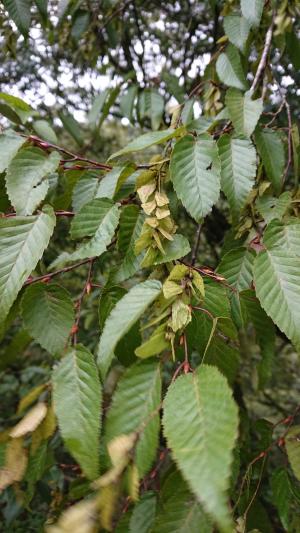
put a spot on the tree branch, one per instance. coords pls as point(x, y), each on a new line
point(263, 59)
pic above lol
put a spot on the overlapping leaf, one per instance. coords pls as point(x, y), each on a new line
point(293, 449)
point(147, 140)
point(195, 172)
point(285, 235)
point(135, 408)
point(252, 11)
point(48, 314)
point(97, 219)
point(237, 30)
point(243, 111)
point(10, 143)
point(22, 244)
point(277, 285)
point(131, 222)
point(271, 150)
point(230, 70)
point(238, 170)
point(200, 423)
point(77, 402)
point(19, 11)
point(237, 267)
point(151, 105)
point(180, 511)
point(26, 178)
point(122, 317)
point(175, 249)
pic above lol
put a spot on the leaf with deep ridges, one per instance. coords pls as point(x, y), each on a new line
point(26, 178)
point(134, 408)
point(195, 172)
point(48, 314)
point(200, 423)
point(22, 244)
point(238, 170)
point(122, 317)
point(77, 400)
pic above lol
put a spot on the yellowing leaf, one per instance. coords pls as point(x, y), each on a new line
point(198, 283)
point(154, 345)
point(30, 421)
point(15, 464)
point(161, 199)
point(146, 190)
point(181, 315)
point(171, 288)
point(80, 518)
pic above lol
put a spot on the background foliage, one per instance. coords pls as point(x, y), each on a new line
point(149, 266)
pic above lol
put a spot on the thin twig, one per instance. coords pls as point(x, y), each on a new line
point(263, 60)
point(197, 244)
point(290, 144)
point(75, 157)
point(86, 290)
point(50, 275)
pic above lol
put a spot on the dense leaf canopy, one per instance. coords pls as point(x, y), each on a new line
point(149, 266)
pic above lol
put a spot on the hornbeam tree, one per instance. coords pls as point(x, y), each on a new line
point(150, 295)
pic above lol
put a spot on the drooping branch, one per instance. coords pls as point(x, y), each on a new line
point(263, 60)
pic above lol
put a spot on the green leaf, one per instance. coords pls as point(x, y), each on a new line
point(224, 356)
point(175, 249)
point(143, 514)
point(230, 70)
point(35, 470)
point(264, 332)
point(85, 190)
point(127, 102)
point(237, 267)
point(151, 105)
point(15, 349)
point(292, 445)
point(238, 170)
point(19, 10)
point(252, 11)
point(80, 23)
point(200, 423)
point(9, 146)
point(270, 207)
point(285, 235)
point(22, 244)
point(113, 180)
point(131, 223)
point(156, 344)
point(237, 30)
point(282, 494)
point(72, 127)
point(180, 511)
point(77, 400)
point(97, 107)
point(199, 125)
point(26, 178)
point(134, 408)
point(44, 131)
point(172, 85)
point(243, 111)
point(195, 171)
point(87, 221)
point(98, 219)
point(126, 312)
point(147, 140)
point(271, 151)
point(48, 315)
point(277, 286)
